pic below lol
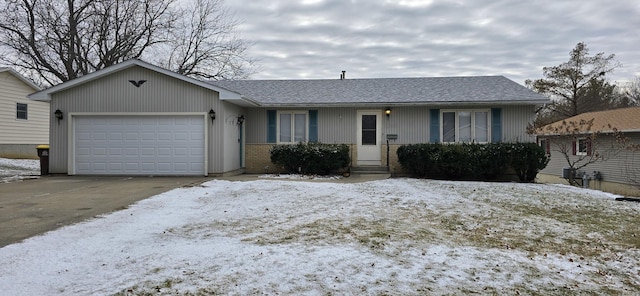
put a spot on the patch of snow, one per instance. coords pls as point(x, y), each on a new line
point(12, 170)
point(299, 177)
point(396, 236)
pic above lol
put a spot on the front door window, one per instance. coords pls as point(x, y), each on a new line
point(369, 130)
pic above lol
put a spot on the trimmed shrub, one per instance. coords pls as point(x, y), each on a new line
point(472, 161)
point(311, 158)
point(527, 159)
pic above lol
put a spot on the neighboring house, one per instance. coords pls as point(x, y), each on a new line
point(24, 124)
point(105, 115)
point(619, 169)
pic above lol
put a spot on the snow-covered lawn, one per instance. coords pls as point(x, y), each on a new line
point(12, 170)
point(396, 236)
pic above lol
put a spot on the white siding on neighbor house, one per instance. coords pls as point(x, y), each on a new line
point(33, 130)
point(622, 165)
point(160, 93)
point(411, 124)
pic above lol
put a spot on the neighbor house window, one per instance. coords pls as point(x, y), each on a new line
point(546, 145)
point(582, 146)
point(465, 126)
point(21, 111)
point(292, 126)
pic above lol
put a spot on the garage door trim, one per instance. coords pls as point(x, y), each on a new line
point(71, 165)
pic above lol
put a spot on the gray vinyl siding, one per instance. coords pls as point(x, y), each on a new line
point(514, 123)
point(411, 124)
point(114, 93)
point(256, 126)
point(231, 135)
point(624, 167)
point(337, 125)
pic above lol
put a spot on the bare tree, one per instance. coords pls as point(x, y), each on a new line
point(578, 85)
point(204, 44)
point(630, 93)
point(54, 41)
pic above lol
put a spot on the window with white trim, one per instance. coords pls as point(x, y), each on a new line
point(21, 111)
point(292, 126)
point(546, 145)
point(465, 126)
point(582, 146)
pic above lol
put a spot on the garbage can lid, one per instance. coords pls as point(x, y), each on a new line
point(42, 147)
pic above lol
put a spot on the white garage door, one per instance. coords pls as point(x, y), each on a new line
point(139, 145)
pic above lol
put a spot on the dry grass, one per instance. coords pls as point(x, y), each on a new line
point(547, 223)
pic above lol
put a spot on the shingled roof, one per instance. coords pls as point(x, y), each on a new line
point(624, 120)
point(384, 91)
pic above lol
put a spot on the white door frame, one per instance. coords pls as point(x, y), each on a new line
point(369, 154)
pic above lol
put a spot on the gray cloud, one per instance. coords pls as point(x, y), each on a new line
point(408, 38)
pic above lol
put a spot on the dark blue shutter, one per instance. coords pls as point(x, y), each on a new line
point(313, 126)
point(496, 125)
point(434, 130)
point(271, 126)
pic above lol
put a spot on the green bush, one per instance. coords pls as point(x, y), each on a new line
point(311, 158)
point(472, 161)
point(527, 159)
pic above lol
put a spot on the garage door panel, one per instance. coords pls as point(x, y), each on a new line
point(132, 145)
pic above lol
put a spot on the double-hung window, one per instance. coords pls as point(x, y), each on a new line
point(465, 126)
point(21, 111)
point(292, 126)
point(582, 146)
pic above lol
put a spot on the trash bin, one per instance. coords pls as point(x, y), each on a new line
point(43, 153)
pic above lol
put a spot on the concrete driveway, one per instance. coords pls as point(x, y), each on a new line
point(35, 206)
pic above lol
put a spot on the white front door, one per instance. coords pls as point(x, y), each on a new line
point(369, 137)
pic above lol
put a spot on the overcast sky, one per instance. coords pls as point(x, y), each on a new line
point(409, 38)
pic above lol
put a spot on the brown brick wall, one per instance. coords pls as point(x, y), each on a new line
point(257, 158)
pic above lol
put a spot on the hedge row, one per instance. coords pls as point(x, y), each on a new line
point(311, 158)
point(472, 161)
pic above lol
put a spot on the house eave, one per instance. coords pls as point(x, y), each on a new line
point(404, 104)
point(22, 78)
point(585, 133)
point(225, 94)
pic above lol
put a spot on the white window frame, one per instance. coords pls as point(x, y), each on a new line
point(293, 128)
point(26, 111)
point(586, 146)
point(457, 124)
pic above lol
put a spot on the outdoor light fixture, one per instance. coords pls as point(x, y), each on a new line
point(387, 111)
point(58, 115)
point(212, 114)
point(240, 119)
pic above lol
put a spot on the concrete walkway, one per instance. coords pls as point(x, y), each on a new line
point(35, 206)
point(354, 178)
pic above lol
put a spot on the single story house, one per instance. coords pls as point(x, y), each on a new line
point(136, 118)
point(24, 124)
point(590, 136)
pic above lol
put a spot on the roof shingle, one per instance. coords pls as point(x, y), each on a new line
point(424, 90)
point(624, 120)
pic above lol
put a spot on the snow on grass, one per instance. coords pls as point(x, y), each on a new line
point(12, 170)
point(396, 236)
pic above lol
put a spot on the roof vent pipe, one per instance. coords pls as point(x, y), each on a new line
point(344, 75)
